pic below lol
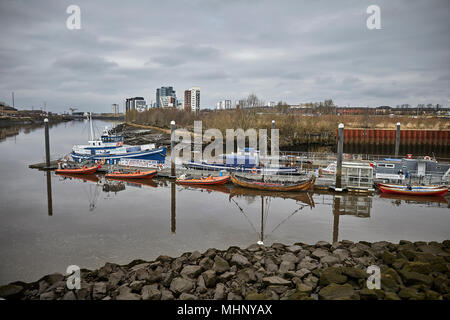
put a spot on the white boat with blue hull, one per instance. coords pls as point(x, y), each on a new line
point(111, 149)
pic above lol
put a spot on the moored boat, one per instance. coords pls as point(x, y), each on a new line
point(270, 186)
point(132, 175)
point(204, 180)
point(388, 185)
point(415, 192)
point(82, 170)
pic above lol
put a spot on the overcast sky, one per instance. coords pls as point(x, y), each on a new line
point(295, 51)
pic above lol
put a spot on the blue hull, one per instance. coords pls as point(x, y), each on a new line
point(158, 155)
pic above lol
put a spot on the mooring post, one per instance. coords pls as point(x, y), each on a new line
point(273, 124)
point(49, 193)
point(173, 225)
point(47, 145)
point(397, 139)
point(340, 150)
point(172, 146)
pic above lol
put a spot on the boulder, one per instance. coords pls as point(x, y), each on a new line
point(220, 264)
point(329, 260)
point(420, 267)
point(286, 266)
point(180, 285)
point(194, 256)
point(99, 290)
point(240, 260)
point(294, 248)
point(275, 280)
point(10, 291)
point(187, 296)
point(166, 294)
point(332, 275)
point(210, 278)
point(354, 273)
point(319, 253)
point(257, 296)
point(413, 278)
point(289, 257)
point(191, 271)
point(219, 293)
point(411, 294)
point(126, 294)
point(337, 292)
point(151, 292)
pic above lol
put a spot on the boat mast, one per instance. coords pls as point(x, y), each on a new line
point(90, 125)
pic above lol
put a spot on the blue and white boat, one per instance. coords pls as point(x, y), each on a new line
point(246, 160)
point(111, 149)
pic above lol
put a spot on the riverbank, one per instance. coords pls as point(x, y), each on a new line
point(410, 271)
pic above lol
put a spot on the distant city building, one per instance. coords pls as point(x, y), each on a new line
point(136, 103)
point(195, 99)
point(271, 104)
point(162, 101)
point(187, 100)
point(224, 104)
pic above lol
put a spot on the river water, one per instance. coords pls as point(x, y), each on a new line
point(90, 222)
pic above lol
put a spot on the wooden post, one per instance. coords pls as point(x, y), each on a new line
point(173, 202)
point(340, 150)
point(49, 193)
point(172, 146)
point(336, 209)
point(47, 145)
point(273, 124)
point(397, 139)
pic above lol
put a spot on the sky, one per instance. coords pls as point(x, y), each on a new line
point(290, 50)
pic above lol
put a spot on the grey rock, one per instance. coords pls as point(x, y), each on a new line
point(140, 266)
point(329, 260)
point(99, 290)
point(239, 260)
point(275, 280)
point(342, 254)
point(286, 266)
point(10, 291)
point(226, 276)
point(136, 286)
point(115, 278)
point(194, 256)
point(289, 257)
point(219, 293)
point(187, 296)
point(294, 248)
point(322, 244)
point(166, 294)
point(210, 278)
point(180, 285)
point(126, 294)
point(254, 247)
point(151, 292)
point(220, 264)
point(70, 295)
point(234, 296)
point(320, 253)
point(47, 296)
point(191, 271)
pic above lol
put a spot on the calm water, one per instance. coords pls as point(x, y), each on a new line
point(89, 223)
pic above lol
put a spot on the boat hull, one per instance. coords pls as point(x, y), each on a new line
point(158, 155)
point(134, 175)
point(84, 170)
point(303, 186)
point(415, 192)
point(204, 181)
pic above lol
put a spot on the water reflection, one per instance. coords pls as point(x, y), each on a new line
point(48, 174)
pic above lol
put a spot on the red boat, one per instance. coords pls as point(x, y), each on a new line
point(83, 170)
point(204, 181)
point(415, 192)
point(132, 175)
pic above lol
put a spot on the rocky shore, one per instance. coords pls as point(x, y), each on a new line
point(410, 271)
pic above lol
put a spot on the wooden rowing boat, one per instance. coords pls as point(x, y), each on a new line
point(132, 175)
point(402, 186)
point(204, 181)
point(415, 192)
point(83, 170)
point(269, 186)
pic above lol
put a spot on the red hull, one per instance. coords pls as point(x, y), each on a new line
point(135, 175)
point(84, 170)
point(428, 192)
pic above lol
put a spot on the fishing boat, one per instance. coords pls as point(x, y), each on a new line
point(82, 170)
point(269, 186)
point(245, 160)
point(210, 180)
point(132, 175)
point(111, 149)
point(415, 191)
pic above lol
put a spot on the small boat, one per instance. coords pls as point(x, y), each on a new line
point(414, 187)
point(83, 170)
point(415, 192)
point(269, 186)
point(210, 180)
point(415, 199)
point(132, 175)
